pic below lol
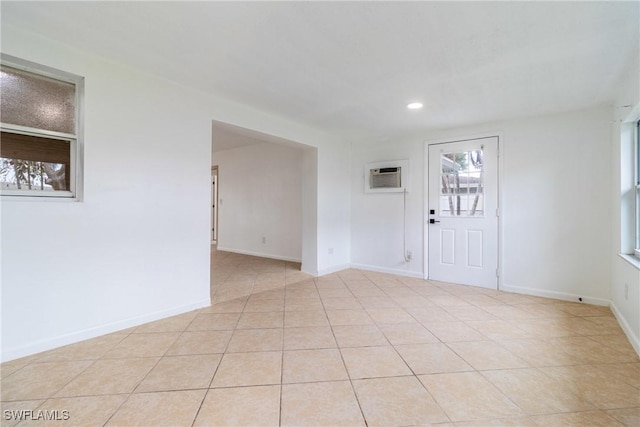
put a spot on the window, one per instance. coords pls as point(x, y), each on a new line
point(461, 190)
point(40, 124)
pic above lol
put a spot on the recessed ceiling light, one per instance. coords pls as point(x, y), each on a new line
point(414, 106)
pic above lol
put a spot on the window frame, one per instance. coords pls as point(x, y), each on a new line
point(76, 140)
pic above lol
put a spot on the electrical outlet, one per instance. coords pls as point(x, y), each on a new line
point(264, 240)
point(626, 291)
point(409, 255)
point(330, 251)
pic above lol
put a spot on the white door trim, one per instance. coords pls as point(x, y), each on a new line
point(425, 210)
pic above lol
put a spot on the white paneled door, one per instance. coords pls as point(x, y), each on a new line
point(462, 212)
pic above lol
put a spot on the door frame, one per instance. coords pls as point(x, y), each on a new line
point(215, 192)
point(425, 218)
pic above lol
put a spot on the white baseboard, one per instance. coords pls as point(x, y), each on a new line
point(74, 337)
point(259, 254)
point(405, 273)
point(556, 295)
point(633, 339)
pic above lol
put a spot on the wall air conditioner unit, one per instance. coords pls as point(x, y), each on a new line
point(386, 177)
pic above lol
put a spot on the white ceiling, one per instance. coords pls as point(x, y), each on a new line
point(350, 68)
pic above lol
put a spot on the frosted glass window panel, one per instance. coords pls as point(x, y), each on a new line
point(37, 101)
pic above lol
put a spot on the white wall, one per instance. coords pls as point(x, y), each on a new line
point(334, 215)
point(137, 247)
point(377, 218)
point(260, 193)
point(625, 303)
point(556, 184)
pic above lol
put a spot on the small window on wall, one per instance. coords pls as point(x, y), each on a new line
point(40, 124)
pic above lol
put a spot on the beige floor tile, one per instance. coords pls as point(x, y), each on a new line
point(483, 355)
point(299, 319)
point(372, 362)
point(523, 387)
point(233, 306)
point(500, 422)
point(171, 408)
point(377, 302)
point(143, 345)
point(508, 312)
point(480, 300)
point(626, 373)
point(243, 369)
point(40, 380)
point(334, 293)
point(606, 392)
point(80, 411)
point(628, 416)
point(312, 337)
point(241, 406)
point(264, 306)
point(214, 322)
point(109, 376)
point(244, 340)
point(181, 373)
point(200, 342)
point(468, 396)
point(412, 301)
point(303, 305)
point(90, 349)
point(398, 401)
point(538, 352)
point(366, 291)
point(454, 332)
point(468, 313)
point(349, 317)
point(448, 301)
point(584, 350)
point(407, 333)
point(430, 315)
point(261, 320)
point(320, 404)
point(390, 315)
point(302, 366)
point(359, 336)
point(15, 412)
point(499, 329)
point(543, 328)
point(580, 309)
point(8, 368)
point(617, 342)
point(432, 358)
point(307, 293)
point(578, 419)
point(170, 324)
point(345, 303)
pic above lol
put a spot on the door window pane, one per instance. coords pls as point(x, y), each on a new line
point(461, 190)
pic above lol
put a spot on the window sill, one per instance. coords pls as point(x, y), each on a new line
point(15, 198)
point(631, 260)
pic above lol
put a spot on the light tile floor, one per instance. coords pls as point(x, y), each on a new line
point(278, 347)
